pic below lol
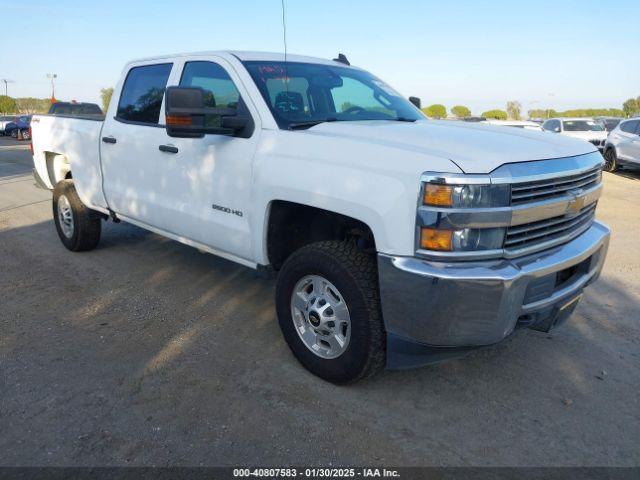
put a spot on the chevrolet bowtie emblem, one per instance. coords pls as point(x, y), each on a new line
point(577, 201)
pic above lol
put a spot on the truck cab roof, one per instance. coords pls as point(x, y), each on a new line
point(246, 56)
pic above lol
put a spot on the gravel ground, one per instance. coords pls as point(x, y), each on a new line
point(147, 352)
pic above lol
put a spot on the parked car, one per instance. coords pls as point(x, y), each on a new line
point(75, 109)
point(609, 123)
point(311, 168)
point(623, 145)
point(19, 128)
point(516, 124)
point(584, 128)
point(4, 120)
point(474, 119)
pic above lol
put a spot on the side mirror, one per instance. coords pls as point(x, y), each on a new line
point(416, 101)
point(188, 117)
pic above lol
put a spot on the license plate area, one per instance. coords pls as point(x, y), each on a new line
point(546, 286)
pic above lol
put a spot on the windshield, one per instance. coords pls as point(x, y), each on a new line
point(582, 126)
point(309, 93)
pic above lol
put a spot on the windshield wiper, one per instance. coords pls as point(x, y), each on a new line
point(403, 119)
point(310, 123)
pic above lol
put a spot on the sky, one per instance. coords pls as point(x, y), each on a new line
point(558, 54)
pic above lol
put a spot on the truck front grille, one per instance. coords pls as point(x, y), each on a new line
point(534, 233)
point(528, 192)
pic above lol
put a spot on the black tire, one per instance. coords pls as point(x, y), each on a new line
point(87, 223)
point(354, 274)
point(610, 160)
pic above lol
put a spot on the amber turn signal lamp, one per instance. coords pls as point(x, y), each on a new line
point(178, 120)
point(433, 239)
point(438, 195)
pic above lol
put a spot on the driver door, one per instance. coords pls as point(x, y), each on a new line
point(210, 178)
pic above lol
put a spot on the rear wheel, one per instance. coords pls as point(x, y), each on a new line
point(329, 311)
point(610, 160)
point(78, 227)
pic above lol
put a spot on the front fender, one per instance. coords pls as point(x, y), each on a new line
point(378, 186)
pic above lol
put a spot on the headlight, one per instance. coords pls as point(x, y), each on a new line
point(466, 196)
point(445, 196)
point(462, 240)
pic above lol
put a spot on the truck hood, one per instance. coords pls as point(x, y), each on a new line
point(473, 147)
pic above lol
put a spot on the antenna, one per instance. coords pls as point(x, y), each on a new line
point(342, 59)
point(284, 39)
point(284, 32)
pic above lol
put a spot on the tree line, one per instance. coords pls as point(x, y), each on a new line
point(29, 105)
point(513, 111)
point(438, 110)
point(25, 105)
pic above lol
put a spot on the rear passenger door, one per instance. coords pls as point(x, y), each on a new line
point(628, 147)
point(137, 175)
point(635, 146)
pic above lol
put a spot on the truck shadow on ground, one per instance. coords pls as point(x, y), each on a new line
point(146, 331)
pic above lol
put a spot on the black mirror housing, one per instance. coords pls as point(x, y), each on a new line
point(186, 115)
point(184, 99)
point(416, 101)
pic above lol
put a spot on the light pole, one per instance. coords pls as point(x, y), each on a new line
point(5, 85)
point(52, 76)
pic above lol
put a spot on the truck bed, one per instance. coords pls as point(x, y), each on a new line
point(63, 144)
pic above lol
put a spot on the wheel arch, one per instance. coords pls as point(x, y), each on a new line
point(58, 167)
point(292, 225)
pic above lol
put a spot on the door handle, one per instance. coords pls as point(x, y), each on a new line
point(109, 140)
point(168, 148)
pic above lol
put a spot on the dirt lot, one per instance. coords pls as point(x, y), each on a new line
point(147, 352)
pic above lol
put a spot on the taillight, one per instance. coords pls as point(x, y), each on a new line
point(30, 139)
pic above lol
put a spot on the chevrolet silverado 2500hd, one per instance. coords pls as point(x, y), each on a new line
point(397, 240)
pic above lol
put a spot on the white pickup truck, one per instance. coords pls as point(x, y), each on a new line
point(397, 240)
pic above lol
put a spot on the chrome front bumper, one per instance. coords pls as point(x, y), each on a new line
point(458, 305)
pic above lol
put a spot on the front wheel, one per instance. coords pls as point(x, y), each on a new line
point(78, 226)
point(329, 311)
point(610, 160)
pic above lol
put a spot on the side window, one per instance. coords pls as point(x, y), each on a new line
point(142, 93)
point(220, 91)
point(551, 125)
point(630, 127)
